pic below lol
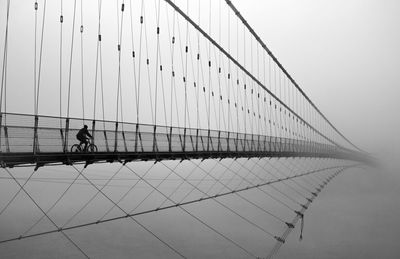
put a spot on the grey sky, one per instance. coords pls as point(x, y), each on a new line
point(345, 55)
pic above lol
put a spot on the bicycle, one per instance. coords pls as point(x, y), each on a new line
point(79, 148)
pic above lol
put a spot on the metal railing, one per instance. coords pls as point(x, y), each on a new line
point(37, 135)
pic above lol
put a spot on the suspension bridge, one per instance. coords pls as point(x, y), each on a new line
point(186, 106)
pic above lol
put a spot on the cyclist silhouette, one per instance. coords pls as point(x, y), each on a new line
point(83, 135)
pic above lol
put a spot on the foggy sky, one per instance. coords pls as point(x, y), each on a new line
point(345, 55)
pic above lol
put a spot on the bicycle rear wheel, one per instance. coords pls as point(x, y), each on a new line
point(76, 148)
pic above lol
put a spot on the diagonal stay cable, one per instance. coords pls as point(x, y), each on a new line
point(54, 204)
point(203, 179)
point(247, 200)
point(18, 192)
point(287, 196)
point(241, 166)
point(126, 193)
point(289, 170)
point(230, 180)
point(152, 191)
point(277, 189)
point(316, 164)
point(266, 193)
point(279, 168)
point(166, 207)
point(93, 196)
point(47, 216)
point(283, 237)
point(195, 217)
point(128, 216)
point(250, 171)
point(182, 182)
point(293, 167)
point(230, 209)
point(291, 187)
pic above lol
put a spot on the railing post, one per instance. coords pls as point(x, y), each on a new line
point(154, 139)
point(197, 140)
point(170, 140)
point(123, 136)
point(219, 141)
point(252, 143)
point(280, 145)
point(7, 143)
point(208, 141)
point(1, 125)
point(227, 143)
point(245, 142)
point(136, 137)
point(93, 130)
point(184, 140)
point(237, 142)
point(35, 136)
point(106, 139)
point(7, 140)
point(116, 137)
point(62, 138)
point(66, 135)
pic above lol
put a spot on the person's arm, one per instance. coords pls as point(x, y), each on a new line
point(88, 134)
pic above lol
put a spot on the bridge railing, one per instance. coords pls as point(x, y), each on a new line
point(21, 133)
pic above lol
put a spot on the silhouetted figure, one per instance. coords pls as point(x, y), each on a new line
point(83, 136)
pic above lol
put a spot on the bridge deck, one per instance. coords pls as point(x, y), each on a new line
point(40, 140)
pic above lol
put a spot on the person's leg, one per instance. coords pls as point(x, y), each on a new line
point(81, 141)
point(86, 144)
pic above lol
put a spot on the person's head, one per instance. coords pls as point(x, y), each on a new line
point(85, 126)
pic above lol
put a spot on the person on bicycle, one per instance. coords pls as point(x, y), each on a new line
point(83, 136)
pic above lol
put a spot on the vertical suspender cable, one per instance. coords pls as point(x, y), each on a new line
point(82, 68)
point(209, 72)
point(198, 69)
point(70, 60)
point(61, 60)
point(156, 66)
point(35, 60)
point(140, 64)
point(156, 74)
point(40, 58)
point(3, 89)
point(4, 67)
point(133, 56)
point(97, 60)
point(69, 79)
point(186, 110)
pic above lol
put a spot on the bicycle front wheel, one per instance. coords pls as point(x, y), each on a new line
point(75, 148)
point(92, 148)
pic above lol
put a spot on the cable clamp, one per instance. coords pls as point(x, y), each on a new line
point(299, 213)
point(290, 225)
